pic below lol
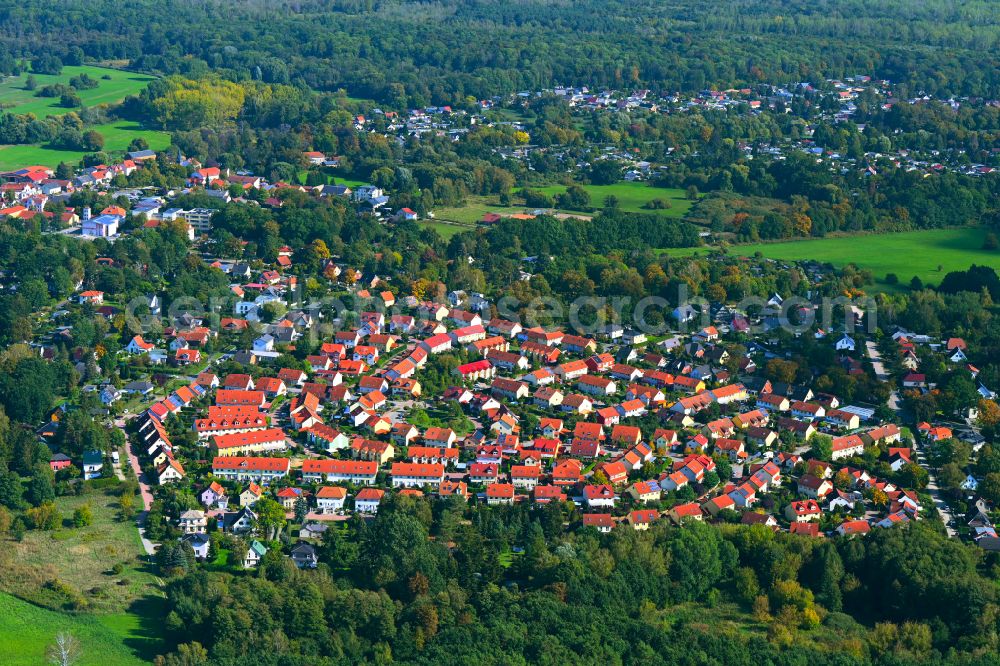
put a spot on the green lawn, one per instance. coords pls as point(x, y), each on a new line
point(472, 213)
point(507, 558)
point(632, 196)
point(15, 98)
point(105, 640)
point(335, 179)
point(71, 568)
point(117, 136)
point(445, 229)
point(474, 209)
point(349, 182)
point(907, 254)
point(221, 561)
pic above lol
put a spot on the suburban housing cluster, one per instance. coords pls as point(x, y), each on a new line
point(630, 430)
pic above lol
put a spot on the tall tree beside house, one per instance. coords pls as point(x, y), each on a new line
point(270, 518)
point(301, 509)
point(821, 445)
point(41, 487)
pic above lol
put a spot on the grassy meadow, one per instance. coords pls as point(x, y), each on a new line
point(907, 254)
point(16, 98)
point(121, 639)
point(75, 568)
point(445, 229)
point(631, 197)
point(117, 136)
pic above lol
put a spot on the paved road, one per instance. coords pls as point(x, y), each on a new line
point(876, 359)
point(147, 499)
point(935, 492)
point(895, 402)
point(320, 517)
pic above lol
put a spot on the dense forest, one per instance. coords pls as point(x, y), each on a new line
point(424, 584)
point(439, 52)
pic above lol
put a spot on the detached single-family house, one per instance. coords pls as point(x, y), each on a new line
point(255, 553)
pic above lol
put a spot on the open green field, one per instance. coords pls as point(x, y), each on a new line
point(117, 136)
point(335, 179)
point(105, 640)
point(472, 212)
point(445, 229)
point(72, 567)
point(631, 197)
point(349, 182)
point(15, 98)
point(907, 254)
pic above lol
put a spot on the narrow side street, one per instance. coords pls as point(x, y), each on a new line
point(147, 499)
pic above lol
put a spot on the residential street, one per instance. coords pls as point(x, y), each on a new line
point(896, 404)
point(876, 359)
point(935, 493)
point(147, 499)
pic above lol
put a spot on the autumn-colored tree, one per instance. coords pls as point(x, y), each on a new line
point(419, 287)
point(781, 370)
point(320, 249)
point(842, 480)
point(989, 413)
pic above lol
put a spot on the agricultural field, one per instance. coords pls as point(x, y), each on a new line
point(105, 640)
point(907, 254)
point(100, 567)
point(15, 98)
point(117, 136)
